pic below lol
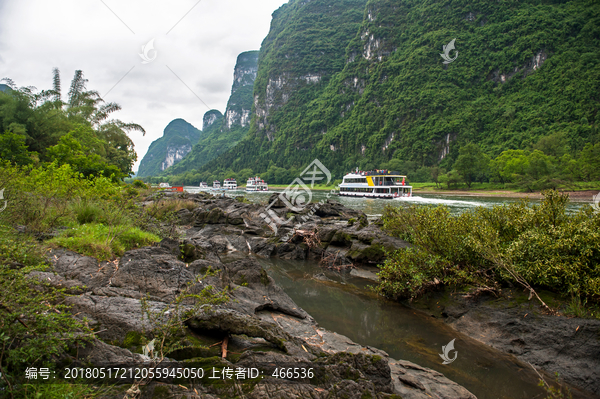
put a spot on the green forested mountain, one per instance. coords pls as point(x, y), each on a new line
point(362, 84)
point(177, 141)
point(222, 132)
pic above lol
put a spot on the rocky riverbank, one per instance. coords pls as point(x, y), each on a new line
point(514, 324)
point(262, 325)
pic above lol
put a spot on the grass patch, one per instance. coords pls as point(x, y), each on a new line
point(163, 208)
point(103, 242)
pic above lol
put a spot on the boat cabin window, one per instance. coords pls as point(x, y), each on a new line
point(355, 190)
point(355, 180)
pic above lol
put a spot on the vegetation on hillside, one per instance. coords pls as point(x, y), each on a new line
point(221, 135)
point(178, 135)
point(526, 71)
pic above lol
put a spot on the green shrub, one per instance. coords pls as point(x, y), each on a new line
point(139, 184)
point(44, 198)
point(87, 212)
point(409, 273)
point(35, 326)
point(540, 245)
point(164, 209)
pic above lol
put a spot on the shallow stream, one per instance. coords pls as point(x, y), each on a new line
point(343, 303)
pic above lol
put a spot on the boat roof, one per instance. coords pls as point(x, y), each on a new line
point(374, 173)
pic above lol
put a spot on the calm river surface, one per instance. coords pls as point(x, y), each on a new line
point(345, 305)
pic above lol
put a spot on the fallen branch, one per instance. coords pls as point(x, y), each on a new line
point(331, 259)
point(494, 256)
point(310, 238)
point(16, 318)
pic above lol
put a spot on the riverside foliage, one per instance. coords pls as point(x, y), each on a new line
point(47, 206)
point(542, 244)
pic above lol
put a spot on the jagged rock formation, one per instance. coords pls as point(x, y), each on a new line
point(220, 133)
point(177, 141)
point(210, 118)
point(239, 106)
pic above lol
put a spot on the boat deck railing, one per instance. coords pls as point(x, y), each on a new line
point(377, 172)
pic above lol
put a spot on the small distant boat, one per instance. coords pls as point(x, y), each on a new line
point(375, 184)
point(216, 184)
point(256, 184)
point(230, 184)
point(203, 185)
point(168, 188)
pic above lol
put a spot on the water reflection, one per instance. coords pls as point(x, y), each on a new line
point(342, 304)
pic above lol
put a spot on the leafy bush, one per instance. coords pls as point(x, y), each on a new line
point(412, 272)
point(538, 245)
point(35, 326)
point(87, 212)
point(44, 198)
point(139, 184)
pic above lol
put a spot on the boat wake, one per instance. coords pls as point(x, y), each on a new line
point(439, 201)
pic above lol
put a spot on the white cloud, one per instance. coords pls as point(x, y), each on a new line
point(201, 49)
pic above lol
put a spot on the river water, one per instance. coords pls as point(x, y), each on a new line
point(344, 304)
point(374, 207)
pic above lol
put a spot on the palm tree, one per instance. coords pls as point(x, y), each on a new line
point(87, 105)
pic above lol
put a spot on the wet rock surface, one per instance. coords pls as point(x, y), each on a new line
point(556, 344)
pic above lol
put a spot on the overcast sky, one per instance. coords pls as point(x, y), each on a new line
point(196, 45)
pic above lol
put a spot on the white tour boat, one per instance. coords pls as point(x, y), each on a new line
point(164, 185)
point(230, 184)
point(216, 184)
point(256, 184)
point(375, 184)
point(203, 185)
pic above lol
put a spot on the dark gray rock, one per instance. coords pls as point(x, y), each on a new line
point(556, 344)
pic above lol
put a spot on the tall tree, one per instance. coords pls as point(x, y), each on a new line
point(471, 163)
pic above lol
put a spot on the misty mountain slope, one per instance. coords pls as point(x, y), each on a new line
point(178, 139)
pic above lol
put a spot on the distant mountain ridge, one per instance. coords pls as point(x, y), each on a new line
point(177, 141)
point(223, 132)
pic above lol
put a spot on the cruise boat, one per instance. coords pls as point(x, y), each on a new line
point(216, 184)
point(256, 184)
point(203, 185)
point(375, 184)
point(230, 184)
point(164, 185)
